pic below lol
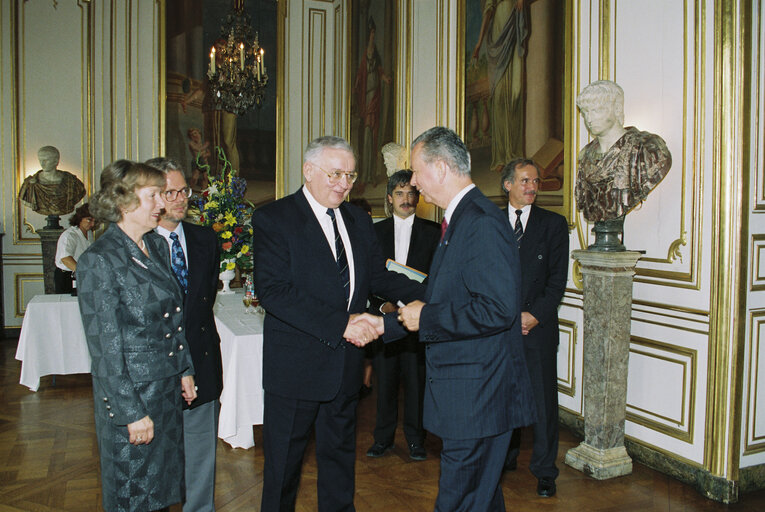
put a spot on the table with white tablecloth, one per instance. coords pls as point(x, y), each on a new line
point(241, 346)
point(52, 342)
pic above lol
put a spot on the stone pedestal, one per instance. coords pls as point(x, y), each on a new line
point(607, 309)
point(49, 239)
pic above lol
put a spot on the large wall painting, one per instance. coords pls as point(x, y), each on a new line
point(514, 74)
point(373, 65)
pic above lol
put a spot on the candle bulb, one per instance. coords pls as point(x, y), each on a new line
point(212, 60)
point(262, 58)
point(258, 67)
point(241, 56)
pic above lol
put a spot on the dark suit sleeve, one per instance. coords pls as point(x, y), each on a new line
point(284, 299)
point(544, 306)
point(487, 277)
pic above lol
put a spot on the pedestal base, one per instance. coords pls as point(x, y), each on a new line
point(600, 464)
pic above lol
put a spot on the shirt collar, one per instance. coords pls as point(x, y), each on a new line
point(166, 233)
point(455, 201)
point(318, 210)
point(409, 221)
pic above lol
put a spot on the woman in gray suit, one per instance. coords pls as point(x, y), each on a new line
point(131, 307)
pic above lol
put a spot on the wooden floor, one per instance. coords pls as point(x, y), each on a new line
point(48, 462)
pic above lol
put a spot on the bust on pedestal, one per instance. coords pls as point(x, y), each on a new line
point(616, 171)
point(51, 192)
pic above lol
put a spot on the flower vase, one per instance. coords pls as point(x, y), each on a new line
point(226, 277)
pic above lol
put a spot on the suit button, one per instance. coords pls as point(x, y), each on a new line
point(106, 399)
point(206, 353)
point(167, 335)
point(539, 257)
point(178, 309)
point(204, 299)
point(166, 315)
point(108, 407)
point(180, 347)
point(111, 415)
point(202, 329)
point(180, 328)
point(171, 354)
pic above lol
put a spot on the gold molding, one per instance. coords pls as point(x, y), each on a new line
point(569, 387)
point(408, 77)
point(756, 317)
point(281, 125)
point(757, 159)
point(316, 16)
point(18, 290)
point(755, 283)
point(341, 88)
point(604, 39)
point(666, 453)
point(728, 231)
point(689, 379)
point(161, 118)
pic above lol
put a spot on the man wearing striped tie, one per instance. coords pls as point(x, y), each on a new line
point(195, 260)
point(542, 238)
point(317, 259)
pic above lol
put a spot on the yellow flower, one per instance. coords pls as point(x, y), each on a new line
point(209, 205)
point(226, 235)
point(245, 249)
point(230, 265)
point(230, 219)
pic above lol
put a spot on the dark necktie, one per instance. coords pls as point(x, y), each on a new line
point(178, 262)
point(444, 225)
point(518, 226)
point(342, 259)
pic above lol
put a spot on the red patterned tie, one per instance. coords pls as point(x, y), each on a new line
point(444, 225)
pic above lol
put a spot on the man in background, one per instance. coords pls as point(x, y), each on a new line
point(411, 241)
point(542, 237)
point(195, 261)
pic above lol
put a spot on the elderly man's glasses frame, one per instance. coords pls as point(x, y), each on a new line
point(335, 175)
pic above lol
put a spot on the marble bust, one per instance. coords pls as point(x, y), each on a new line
point(621, 165)
point(51, 191)
point(394, 157)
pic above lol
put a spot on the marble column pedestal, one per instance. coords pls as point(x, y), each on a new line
point(607, 309)
point(49, 240)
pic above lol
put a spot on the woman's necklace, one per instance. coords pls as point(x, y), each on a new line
point(141, 245)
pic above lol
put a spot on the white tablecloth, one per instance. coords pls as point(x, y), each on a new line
point(52, 340)
point(241, 344)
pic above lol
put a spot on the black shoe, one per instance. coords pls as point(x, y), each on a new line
point(510, 465)
point(379, 449)
point(546, 487)
point(417, 451)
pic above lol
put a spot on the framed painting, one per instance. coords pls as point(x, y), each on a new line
point(514, 60)
point(194, 127)
point(373, 55)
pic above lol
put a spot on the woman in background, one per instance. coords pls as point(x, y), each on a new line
point(71, 244)
point(132, 312)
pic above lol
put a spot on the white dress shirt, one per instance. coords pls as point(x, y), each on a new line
point(402, 235)
point(511, 216)
point(181, 238)
point(325, 221)
point(455, 201)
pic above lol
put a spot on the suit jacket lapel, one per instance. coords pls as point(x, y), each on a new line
point(197, 256)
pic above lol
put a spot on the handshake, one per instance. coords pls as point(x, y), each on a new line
point(364, 328)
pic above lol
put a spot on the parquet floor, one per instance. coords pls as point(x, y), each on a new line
point(48, 462)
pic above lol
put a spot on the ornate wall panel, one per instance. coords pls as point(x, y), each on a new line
point(754, 425)
point(566, 357)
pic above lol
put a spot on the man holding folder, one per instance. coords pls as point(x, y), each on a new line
point(411, 241)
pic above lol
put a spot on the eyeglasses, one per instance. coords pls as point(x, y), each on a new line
point(172, 195)
point(335, 175)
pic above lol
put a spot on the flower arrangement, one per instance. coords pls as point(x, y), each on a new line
point(222, 206)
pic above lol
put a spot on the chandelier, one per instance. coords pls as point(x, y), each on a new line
point(237, 72)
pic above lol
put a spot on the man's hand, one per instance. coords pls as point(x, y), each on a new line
point(188, 389)
point(528, 322)
point(363, 328)
point(409, 315)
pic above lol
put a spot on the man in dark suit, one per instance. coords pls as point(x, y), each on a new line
point(195, 248)
point(542, 236)
point(317, 260)
point(477, 388)
point(411, 241)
